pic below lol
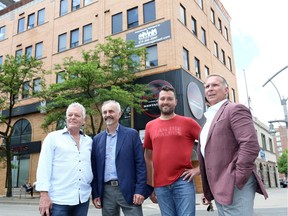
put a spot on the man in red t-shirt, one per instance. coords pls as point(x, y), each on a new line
point(168, 144)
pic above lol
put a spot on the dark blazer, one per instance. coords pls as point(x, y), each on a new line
point(130, 164)
point(231, 149)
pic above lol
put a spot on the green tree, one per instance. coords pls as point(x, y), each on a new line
point(282, 163)
point(104, 73)
point(13, 73)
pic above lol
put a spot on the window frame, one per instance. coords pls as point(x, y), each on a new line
point(194, 25)
point(21, 25)
point(85, 33)
point(203, 36)
point(2, 32)
point(63, 5)
point(39, 50)
point(31, 21)
point(149, 54)
point(183, 14)
point(59, 40)
point(131, 23)
point(117, 19)
point(186, 63)
point(149, 16)
point(197, 67)
point(40, 15)
point(36, 85)
point(74, 35)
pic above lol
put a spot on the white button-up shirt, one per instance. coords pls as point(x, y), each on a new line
point(63, 169)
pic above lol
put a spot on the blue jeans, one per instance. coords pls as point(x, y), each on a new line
point(66, 210)
point(177, 199)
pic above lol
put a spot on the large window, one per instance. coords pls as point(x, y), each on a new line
point(75, 4)
point(74, 38)
point(186, 59)
point(36, 85)
point(194, 26)
point(31, 21)
point(132, 17)
point(152, 56)
point(25, 90)
point(223, 57)
point(149, 11)
point(2, 32)
point(203, 36)
point(41, 16)
point(197, 68)
point(63, 7)
point(39, 50)
point(212, 14)
point(116, 23)
point(87, 33)
point(263, 139)
point(21, 25)
point(216, 53)
point(182, 14)
point(28, 51)
point(62, 41)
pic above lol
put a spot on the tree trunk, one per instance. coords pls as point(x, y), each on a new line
point(8, 170)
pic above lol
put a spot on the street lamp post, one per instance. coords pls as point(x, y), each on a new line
point(283, 103)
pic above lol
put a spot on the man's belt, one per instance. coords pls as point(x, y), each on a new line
point(113, 183)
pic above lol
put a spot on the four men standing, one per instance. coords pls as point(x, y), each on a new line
point(227, 150)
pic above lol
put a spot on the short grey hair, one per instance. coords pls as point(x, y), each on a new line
point(224, 81)
point(113, 101)
point(78, 105)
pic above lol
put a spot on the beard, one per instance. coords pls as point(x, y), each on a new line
point(109, 121)
point(166, 110)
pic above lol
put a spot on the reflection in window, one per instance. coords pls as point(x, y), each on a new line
point(194, 26)
point(2, 32)
point(39, 50)
point(216, 49)
point(203, 38)
point(25, 90)
point(60, 77)
point(182, 14)
point(87, 33)
point(75, 4)
point(186, 59)
point(152, 56)
point(212, 14)
point(63, 7)
point(62, 42)
point(132, 17)
point(36, 85)
point(31, 21)
point(149, 11)
point(41, 16)
point(21, 23)
point(207, 72)
point(74, 38)
point(197, 68)
point(28, 51)
point(116, 23)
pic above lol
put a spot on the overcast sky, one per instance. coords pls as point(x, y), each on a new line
point(260, 43)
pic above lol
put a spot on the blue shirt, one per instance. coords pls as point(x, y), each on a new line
point(110, 157)
point(63, 169)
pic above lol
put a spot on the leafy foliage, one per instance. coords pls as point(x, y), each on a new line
point(282, 163)
point(105, 73)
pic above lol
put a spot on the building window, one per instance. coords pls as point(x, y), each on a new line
point(197, 68)
point(207, 71)
point(1, 60)
point(149, 11)
point(226, 34)
point(21, 24)
point(28, 51)
point(219, 25)
point(116, 23)
point(62, 42)
point(74, 38)
point(63, 7)
point(270, 145)
point(75, 5)
point(229, 63)
point(263, 139)
point(132, 17)
point(41, 16)
point(216, 53)
point(25, 90)
point(39, 50)
point(182, 14)
point(212, 14)
point(36, 85)
point(194, 26)
point(60, 77)
point(87, 33)
point(200, 3)
point(2, 32)
point(233, 95)
point(186, 58)
point(152, 56)
point(18, 52)
point(87, 2)
point(203, 36)
point(223, 56)
point(31, 21)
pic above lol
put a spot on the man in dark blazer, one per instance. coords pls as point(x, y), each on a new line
point(118, 166)
point(227, 152)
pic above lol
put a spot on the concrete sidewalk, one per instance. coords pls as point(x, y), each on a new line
point(278, 198)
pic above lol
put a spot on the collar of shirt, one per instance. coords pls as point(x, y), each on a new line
point(65, 130)
point(211, 111)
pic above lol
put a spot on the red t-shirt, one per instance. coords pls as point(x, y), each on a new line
point(172, 143)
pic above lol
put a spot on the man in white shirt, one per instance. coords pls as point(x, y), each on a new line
point(64, 170)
